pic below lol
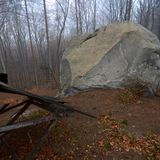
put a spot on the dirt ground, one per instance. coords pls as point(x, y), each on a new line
point(126, 127)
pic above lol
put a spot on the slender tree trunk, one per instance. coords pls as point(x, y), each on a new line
point(80, 17)
point(94, 15)
point(31, 45)
point(47, 37)
point(77, 20)
point(129, 10)
point(3, 56)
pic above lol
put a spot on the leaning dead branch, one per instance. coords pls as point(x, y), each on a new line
point(55, 106)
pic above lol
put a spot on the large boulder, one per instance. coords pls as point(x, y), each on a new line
point(110, 56)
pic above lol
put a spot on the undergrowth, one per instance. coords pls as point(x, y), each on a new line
point(133, 91)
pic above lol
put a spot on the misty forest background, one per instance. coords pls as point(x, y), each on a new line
point(35, 33)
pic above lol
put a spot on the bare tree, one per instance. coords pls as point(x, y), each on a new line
point(61, 18)
point(31, 44)
point(77, 19)
point(47, 35)
point(94, 14)
point(128, 9)
point(148, 14)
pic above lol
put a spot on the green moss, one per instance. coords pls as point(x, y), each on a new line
point(124, 123)
point(37, 114)
point(59, 130)
point(107, 145)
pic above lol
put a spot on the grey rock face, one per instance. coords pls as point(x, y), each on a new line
point(110, 56)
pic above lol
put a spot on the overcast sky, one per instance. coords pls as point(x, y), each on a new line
point(50, 2)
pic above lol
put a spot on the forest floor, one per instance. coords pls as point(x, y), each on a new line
point(127, 127)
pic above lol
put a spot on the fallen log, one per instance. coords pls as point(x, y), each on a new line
point(50, 104)
point(25, 124)
point(8, 89)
